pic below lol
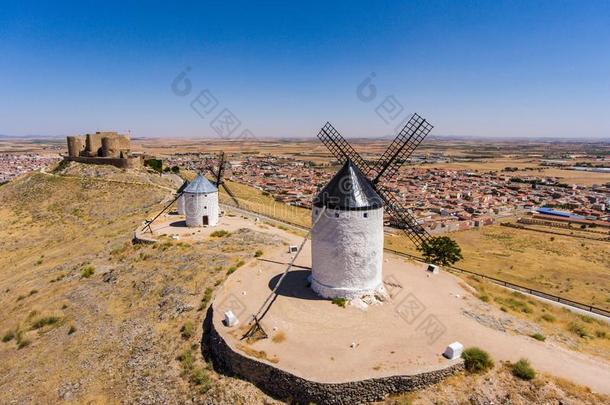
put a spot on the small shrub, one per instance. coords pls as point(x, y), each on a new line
point(548, 318)
point(8, 336)
point(199, 376)
point(523, 369)
point(258, 253)
point(186, 359)
point(72, 329)
point(231, 270)
point(45, 321)
point(476, 360)
point(23, 343)
point(601, 334)
point(221, 233)
point(587, 318)
point(240, 263)
point(32, 292)
point(342, 302)
point(484, 297)
point(188, 330)
point(87, 271)
point(515, 304)
point(578, 329)
point(207, 296)
point(538, 336)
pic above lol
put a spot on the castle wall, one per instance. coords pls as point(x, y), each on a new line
point(76, 144)
point(122, 163)
point(93, 144)
point(110, 147)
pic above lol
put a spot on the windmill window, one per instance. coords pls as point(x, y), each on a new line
point(336, 215)
point(205, 207)
point(366, 214)
point(315, 212)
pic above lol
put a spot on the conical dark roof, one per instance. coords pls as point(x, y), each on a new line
point(348, 190)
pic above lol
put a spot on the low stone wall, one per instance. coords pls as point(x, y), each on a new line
point(288, 387)
point(121, 163)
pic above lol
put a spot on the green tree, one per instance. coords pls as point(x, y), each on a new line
point(441, 250)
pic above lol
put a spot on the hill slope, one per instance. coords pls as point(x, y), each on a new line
point(113, 335)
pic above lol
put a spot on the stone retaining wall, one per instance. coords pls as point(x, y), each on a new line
point(288, 387)
point(122, 163)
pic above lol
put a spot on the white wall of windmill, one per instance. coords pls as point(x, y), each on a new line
point(347, 253)
point(180, 205)
point(198, 206)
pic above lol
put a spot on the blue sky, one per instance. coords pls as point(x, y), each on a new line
point(496, 68)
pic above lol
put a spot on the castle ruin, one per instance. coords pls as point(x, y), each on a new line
point(109, 148)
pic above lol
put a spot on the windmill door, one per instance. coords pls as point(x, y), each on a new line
point(205, 220)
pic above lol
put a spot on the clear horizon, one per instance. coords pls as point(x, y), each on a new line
point(476, 69)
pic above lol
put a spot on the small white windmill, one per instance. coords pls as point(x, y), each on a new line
point(201, 203)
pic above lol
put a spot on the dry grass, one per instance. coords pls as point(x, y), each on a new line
point(562, 266)
point(497, 385)
point(575, 331)
point(253, 199)
point(131, 310)
point(259, 354)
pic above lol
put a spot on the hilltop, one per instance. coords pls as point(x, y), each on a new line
point(89, 317)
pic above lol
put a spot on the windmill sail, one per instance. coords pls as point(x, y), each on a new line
point(340, 149)
point(413, 133)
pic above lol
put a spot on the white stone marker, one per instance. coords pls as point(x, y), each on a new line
point(434, 269)
point(454, 350)
point(230, 319)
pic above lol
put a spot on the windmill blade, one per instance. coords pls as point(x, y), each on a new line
point(401, 215)
point(221, 167)
point(339, 147)
point(226, 188)
point(416, 129)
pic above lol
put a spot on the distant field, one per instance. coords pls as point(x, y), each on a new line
point(573, 268)
point(485, 166)
point(577, 177)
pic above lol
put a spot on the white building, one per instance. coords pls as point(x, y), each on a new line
point(201, 203)
point(180, 200)
point(347, 240)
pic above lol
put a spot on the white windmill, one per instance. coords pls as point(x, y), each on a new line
point(201, 203)
point(347, 239)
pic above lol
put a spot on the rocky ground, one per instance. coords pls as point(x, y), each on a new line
point(499, 386)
